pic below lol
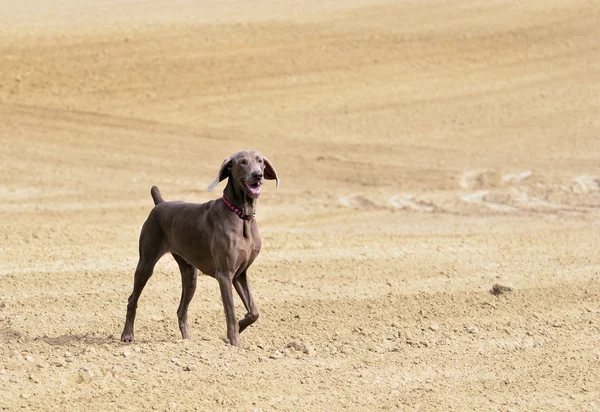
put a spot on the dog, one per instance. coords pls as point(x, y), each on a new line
point(220, 238)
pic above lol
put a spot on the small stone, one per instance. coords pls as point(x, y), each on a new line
point(395, 325)
point(297, 346)
point(126, 354)
point(472, 329)
point(29, 358)
point(16, 354)
point(310, 350)
point(189, 368)
point(498, 289)
point(176, 361)
point(434, 328)
point(83, 377)
point(275, 355)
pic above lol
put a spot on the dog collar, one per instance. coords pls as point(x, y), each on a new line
point(237, 211)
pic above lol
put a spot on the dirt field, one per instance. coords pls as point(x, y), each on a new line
point(426, 150)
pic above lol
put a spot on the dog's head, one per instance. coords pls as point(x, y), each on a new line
point(249, 169)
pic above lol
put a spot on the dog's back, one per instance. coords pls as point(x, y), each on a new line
point(183, 228)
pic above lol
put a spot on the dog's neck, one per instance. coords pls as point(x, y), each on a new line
point(239, 198)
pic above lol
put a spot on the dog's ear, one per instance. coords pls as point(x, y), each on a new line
point(270, 173)
point(224, 172)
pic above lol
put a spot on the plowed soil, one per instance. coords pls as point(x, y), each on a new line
point(427, 151)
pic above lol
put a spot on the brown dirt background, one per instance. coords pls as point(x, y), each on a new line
point(427, 150)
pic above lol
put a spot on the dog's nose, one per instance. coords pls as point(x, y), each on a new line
point(257, 174)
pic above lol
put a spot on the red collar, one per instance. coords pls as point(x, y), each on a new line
point(236, 210)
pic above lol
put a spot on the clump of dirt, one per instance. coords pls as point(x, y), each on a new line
point(498, 289)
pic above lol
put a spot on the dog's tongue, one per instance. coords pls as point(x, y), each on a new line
point(254, 189)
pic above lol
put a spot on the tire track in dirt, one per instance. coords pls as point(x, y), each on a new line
point(505, 193)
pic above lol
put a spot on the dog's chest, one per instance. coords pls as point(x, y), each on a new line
point(246, 254)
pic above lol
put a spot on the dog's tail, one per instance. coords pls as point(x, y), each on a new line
point(156, 195)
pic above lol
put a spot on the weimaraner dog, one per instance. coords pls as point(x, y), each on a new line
point(219, 237)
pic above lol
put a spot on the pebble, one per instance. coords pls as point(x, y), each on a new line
point(472, 329)
point(16, 354)
point(297, 346)
point(275, 355)
point(310, 350)
point(498, 289)
point(434, 328)
point(84, 377)
point(126, 354)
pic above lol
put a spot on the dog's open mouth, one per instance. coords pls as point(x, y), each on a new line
point(253, 189)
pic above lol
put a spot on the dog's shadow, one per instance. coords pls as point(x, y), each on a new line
point(72, 339)
point(10, 335)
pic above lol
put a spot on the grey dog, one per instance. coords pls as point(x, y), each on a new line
point(219, 237)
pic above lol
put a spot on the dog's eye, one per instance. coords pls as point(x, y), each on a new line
point(244, 162)
point(259, 160)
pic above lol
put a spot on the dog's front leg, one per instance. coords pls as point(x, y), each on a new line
point(225, 282)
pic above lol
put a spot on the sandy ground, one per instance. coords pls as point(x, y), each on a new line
point(426, 150)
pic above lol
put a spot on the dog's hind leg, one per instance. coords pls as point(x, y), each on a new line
point(152, 247)
point(189, 276)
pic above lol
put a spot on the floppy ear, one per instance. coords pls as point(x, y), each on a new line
point(270, 173)
point(223, 173)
